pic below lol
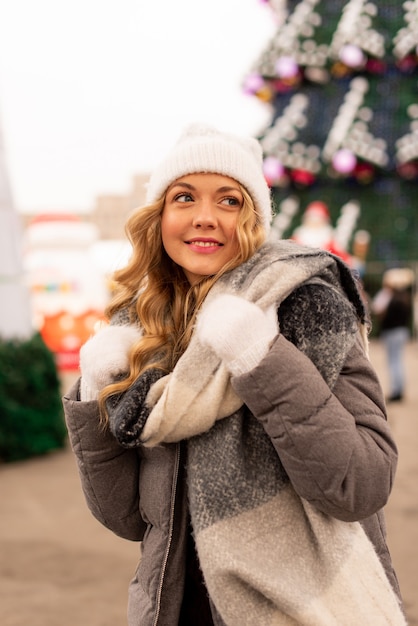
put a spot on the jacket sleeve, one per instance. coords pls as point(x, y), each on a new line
point(109, 473)
point(335, 446)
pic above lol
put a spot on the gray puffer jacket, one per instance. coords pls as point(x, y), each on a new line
point(344, 463)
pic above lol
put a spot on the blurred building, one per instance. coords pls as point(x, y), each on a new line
point(111, 210)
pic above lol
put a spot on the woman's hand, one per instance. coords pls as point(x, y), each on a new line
point(104, 357)
point(238, 331)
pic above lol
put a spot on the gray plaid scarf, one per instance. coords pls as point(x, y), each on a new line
point(267, 555)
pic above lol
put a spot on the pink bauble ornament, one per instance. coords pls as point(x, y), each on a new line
point(352, 56)
point(273, 170)
point(286, 67)
point(344, 161)
point(253, 83)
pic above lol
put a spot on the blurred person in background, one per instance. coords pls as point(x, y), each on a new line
point(392, 306)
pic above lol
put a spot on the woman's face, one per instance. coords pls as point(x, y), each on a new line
point(199, 223)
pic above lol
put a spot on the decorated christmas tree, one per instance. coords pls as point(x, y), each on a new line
point(341, 77)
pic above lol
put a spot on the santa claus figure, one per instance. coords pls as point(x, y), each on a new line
point(316, 230)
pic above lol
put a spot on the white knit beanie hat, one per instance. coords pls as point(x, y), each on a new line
point(203, 149)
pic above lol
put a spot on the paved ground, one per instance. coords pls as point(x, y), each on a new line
point(402, 510)
point(59, 567)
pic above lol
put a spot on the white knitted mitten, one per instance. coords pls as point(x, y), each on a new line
point(238, 331)
point(104, 356)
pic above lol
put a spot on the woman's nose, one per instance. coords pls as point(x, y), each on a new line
point(204, 215)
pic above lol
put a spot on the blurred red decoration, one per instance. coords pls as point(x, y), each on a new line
point(408, 170)
point(364, 173)
point(302, 178)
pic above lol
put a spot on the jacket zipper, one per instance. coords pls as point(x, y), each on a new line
point(170, 534)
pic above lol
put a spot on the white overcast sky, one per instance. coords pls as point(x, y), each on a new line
point(95, 91)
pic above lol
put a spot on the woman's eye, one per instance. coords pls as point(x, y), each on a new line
point(231, 201)
point(183, 197)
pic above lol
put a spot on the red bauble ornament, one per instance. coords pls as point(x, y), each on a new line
point(408, 170)
point(302, 178)
point(408, 64)
point(364, 173)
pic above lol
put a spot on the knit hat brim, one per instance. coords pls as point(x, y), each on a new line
point(202, 149)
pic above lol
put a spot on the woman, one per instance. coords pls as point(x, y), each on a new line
point(229, 418)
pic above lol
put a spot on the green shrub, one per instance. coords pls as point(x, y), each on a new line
point(31, 415)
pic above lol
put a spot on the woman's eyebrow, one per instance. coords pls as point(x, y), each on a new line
point(181, 184)
point(189, 186)
point(228, 188)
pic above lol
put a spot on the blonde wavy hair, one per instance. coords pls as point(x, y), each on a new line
point(154, 290)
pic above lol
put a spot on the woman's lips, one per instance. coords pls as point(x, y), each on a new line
point(204, 245)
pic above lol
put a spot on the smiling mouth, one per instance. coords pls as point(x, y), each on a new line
point(205, 244)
